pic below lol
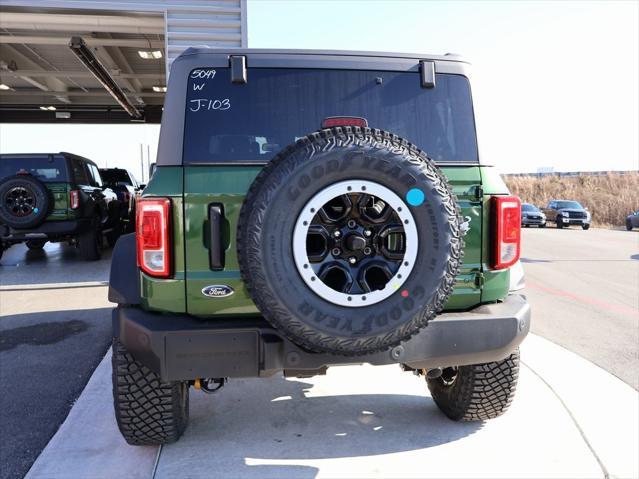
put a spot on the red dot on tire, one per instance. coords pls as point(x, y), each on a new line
point(405, 294)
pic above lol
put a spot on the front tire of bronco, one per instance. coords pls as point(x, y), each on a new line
point(149, 412)
point(476, 392)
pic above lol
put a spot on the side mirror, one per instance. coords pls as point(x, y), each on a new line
point(141, 186)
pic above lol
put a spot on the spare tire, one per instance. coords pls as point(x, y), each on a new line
point(349, 241)
point(24, 201)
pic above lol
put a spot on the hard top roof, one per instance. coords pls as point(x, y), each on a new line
point(65, 154)
point(449, 57)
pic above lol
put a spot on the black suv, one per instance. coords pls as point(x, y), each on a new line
point(56, 197)
point(126, 187)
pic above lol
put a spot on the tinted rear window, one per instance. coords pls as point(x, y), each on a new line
point(251, 122)
point(45, 169)
point(112, 177)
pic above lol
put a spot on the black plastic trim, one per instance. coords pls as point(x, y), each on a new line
point(216, 247)
point(124, 279)
point(427, 73)
point(238, 68)
point(180, 347)
point(48, 229)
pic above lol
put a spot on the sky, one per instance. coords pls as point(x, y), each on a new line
point(555, 84)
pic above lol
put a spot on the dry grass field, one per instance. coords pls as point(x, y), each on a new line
point(609, 198)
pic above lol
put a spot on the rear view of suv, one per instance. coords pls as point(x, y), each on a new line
point(57, 197)
point(315, 209)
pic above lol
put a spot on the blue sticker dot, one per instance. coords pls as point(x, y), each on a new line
point(415, 197)
point(35, 210)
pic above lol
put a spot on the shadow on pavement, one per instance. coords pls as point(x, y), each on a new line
point(254, 425)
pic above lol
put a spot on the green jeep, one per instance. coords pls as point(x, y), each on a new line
point(313, 209)
point(56, 197)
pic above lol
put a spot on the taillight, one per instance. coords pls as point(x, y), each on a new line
point(344, 121)
point(153, 236)
point(74, 199)
point(506, 215)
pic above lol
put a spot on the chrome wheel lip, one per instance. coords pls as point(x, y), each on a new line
point(303, 223)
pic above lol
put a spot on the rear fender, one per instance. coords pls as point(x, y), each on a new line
point(124, 279)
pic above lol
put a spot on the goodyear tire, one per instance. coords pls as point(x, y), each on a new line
point(477, 392)
point(24, 202)
point(348, 192)
point(148, 411)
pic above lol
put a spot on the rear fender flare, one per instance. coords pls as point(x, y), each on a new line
point(124, 279)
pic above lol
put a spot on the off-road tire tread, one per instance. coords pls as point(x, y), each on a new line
point(480, 392)
point(148, 411)
point(249, 244)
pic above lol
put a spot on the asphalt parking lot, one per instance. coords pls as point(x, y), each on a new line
point(55, 329)
point(583, 287)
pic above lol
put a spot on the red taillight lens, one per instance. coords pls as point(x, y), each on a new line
point(74, 199)
point(153, 236)
point(344, 121)
point(506, 213)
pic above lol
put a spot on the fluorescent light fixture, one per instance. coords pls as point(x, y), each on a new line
point(150, 54)
point(64, 115)
point(48, 108)
point(159, 89)
point(4, 87)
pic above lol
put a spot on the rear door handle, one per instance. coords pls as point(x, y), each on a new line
point(216, 248)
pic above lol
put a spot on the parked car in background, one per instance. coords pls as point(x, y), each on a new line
point(124, 184)
point(56, 197)
point(566, 213)
point(531, 215)
point(632, 220)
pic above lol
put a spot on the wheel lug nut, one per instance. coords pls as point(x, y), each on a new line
point(336, 252)
point(367, 251)
point(337, 233)
point(352, 224)
point(352, 260)
point(367, 233)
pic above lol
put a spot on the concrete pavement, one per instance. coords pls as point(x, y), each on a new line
point(54, 330)
point(583, 287)
point(364, 421)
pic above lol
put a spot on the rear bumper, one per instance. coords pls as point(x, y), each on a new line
point(186, 348)
point(47, 230)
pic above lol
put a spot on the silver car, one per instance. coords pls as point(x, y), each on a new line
point(531, 215)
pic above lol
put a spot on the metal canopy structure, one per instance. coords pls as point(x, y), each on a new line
point(123, 49)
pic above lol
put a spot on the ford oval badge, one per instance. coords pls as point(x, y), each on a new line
point(217, 291)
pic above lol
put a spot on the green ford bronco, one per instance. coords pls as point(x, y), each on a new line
point(56, 197)
point(312, 209)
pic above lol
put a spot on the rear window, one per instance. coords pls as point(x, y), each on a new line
point(45, 169)
point(251, 122)
point(113, 177)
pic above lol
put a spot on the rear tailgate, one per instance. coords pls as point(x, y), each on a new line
point(227, 185)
